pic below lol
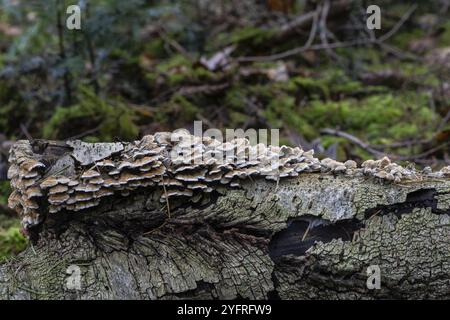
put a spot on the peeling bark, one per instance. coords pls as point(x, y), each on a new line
point(309, 237)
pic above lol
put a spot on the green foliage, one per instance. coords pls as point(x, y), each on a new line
point(114, 121)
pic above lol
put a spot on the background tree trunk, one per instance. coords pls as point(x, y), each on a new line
point(309, 237)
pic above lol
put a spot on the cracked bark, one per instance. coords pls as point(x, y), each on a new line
point(247, 243)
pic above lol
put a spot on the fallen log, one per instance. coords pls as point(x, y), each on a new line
point(310, 231)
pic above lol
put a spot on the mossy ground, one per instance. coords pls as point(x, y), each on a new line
point(11, 240)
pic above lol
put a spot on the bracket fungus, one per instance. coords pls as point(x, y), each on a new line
point(184, 166)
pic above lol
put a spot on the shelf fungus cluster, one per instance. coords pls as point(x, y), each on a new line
point(25, 173)
point(74, 176)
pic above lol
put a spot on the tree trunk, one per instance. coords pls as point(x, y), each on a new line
point(309, 237)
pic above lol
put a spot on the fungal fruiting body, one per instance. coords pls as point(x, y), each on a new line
point(182, 164)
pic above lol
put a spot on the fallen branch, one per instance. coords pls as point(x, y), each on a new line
point(307, 237)
point(373, 149)
point(207, 89)
point(363, 145)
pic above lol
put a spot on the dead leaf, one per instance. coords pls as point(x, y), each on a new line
point(219, 60)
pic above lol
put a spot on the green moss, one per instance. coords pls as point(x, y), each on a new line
point(339, 83)
point(248, 36)
point(403, 131)
point(156, 48)
point(237, 118)
point(362, 54)
point(326, 99)
point(444, 38)
point(5, 190)
point(12, 108)
point(283, 111)
point(256, 34)
point(375, 117)
point(187, 109)
point(178, 111)
point(178, 70)
point(329, 83)
point(313, 87)
point(419, 73)
point(378, 118)
point(403, 39)
point(11, 242)
point(176, 61)
point(235, 98)
point(112, 120)
point(328, 141)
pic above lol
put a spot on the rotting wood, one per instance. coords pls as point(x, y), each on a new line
point(306, 237)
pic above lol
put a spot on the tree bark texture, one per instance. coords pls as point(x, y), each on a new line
point(308, 237)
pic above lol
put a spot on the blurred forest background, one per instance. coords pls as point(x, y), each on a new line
point(309, 67)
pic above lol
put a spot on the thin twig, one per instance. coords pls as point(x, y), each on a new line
point(401, 144)
point(444, 121)
point(353, 139)
point(32, 249)
point(25, 131)
point(371, 150)
point(335, 45)
point(168, 211)
point(174, 44)
point(424, 154)
point(306, 232)
point(324, 29)
point(312, 33)
point(62, 53)
point(399, 24)
point(92, 55)
point(83, 134)
point(295, 51)
point(167, 199)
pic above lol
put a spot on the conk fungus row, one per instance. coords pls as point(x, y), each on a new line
point(182, 165)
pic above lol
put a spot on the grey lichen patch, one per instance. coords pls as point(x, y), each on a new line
point(88, 153)
point(156, 267)
point(443, 202)
point(63, 166)
point(187, 261)
point(333, 198)
point(264, 206)
point(412, 252)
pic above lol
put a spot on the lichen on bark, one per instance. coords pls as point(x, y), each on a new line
point(226, 245)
